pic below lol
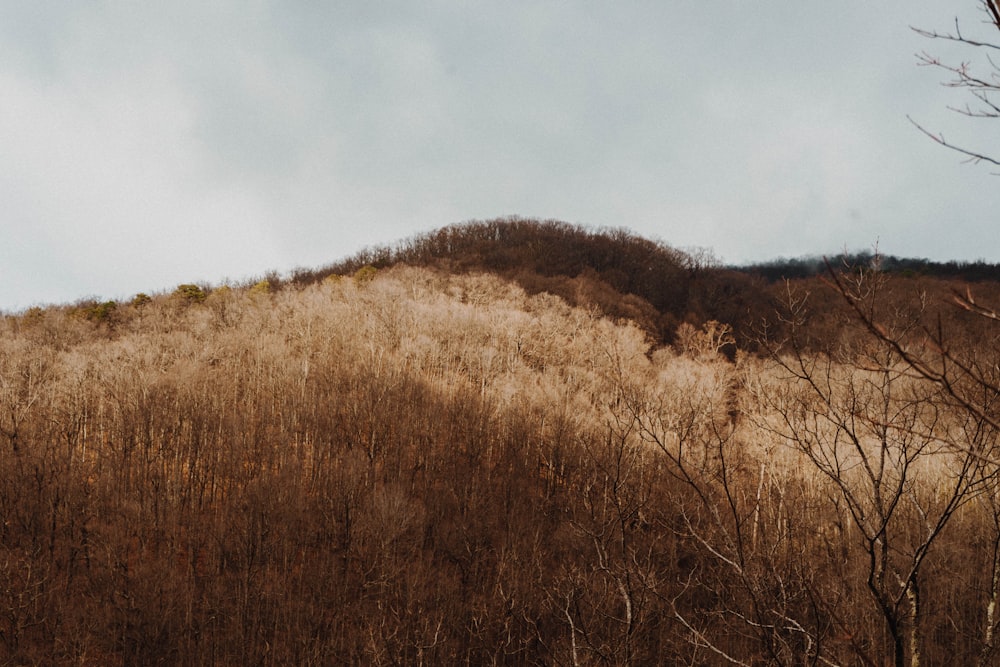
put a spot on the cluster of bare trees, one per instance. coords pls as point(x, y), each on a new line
point(413, 467)
point(907, 471)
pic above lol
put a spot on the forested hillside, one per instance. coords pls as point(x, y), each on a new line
point(659, 287)
point(505, 443)
point(612, 270)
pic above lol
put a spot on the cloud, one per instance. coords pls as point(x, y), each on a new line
point(107, 175)
point(151, 144)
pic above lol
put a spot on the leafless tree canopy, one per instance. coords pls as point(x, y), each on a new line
point(419, 466)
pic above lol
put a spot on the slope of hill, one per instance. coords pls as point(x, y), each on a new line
point(476, 448)
point(347, 472)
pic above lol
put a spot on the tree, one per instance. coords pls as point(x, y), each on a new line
point(190, 293)
point(926, 402)
point(982, 81)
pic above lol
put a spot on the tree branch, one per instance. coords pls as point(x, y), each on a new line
point(939, 138)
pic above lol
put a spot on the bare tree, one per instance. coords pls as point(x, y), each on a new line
point(743, 590)
point(901, 424)
point(981, 80)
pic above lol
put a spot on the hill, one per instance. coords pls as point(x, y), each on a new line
point(658, 287)
point(613, 270)
point(477, 447)
point(628, 277)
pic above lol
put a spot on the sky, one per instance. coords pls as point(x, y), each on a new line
point(147, 144)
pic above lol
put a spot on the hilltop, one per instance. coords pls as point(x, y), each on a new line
point(625, 277)
point(660, 287)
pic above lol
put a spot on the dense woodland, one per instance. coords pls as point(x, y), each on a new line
point(507, 442)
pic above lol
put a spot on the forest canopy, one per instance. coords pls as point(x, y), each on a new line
point(456, 450)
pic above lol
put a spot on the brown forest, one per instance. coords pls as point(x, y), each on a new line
point(507, 442)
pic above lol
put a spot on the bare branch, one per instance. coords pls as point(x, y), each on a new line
point(957, 37)
point(967, 302)
point(994, 8)
point(980, 86)
point(939, 138)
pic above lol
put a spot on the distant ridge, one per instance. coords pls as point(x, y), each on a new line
point(907, 267)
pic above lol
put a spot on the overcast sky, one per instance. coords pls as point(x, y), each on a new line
point(144, 144)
